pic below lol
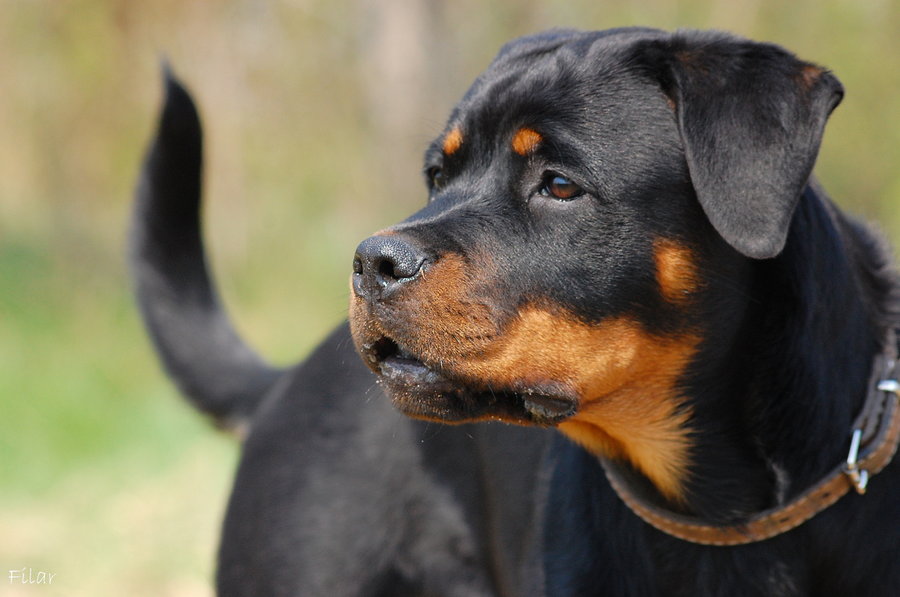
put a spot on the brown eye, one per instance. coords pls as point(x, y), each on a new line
point(560, 187)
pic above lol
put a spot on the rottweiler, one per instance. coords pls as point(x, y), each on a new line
point(667, 357)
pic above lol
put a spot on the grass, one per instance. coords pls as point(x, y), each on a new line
point(101, 466)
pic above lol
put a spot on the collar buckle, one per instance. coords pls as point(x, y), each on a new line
point(859, 477)
point(889, 385)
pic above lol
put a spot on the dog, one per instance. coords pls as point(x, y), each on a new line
point(667, 358)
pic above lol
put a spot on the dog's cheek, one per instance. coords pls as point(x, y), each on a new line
point(676, 271)
point(448, 314)
point(595, 359)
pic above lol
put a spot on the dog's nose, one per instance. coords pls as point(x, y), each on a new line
point(382, 264)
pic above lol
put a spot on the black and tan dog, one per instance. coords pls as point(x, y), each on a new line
point(623, 255)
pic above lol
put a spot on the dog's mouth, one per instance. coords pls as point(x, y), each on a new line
point(432, 391)
point(428, 391)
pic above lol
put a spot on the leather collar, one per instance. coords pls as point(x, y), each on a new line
point(874, 438)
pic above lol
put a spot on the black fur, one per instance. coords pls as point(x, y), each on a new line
point(190, 330)
point(702, 139)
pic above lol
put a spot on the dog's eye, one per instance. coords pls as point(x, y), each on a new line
point(560, 187)
point(435, 176)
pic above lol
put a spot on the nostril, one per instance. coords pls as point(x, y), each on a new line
point(400, 265)
point(386, 270)
point(383, 262)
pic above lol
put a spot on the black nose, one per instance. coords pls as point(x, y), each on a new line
point(383, 263)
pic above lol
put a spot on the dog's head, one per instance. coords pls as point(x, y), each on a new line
point(581, 194)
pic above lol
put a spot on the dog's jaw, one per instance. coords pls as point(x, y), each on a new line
point(425, 390)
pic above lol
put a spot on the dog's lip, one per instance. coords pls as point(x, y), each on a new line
point(398, 367)
point(547, 406)
point(409, 369)
point(392, 361)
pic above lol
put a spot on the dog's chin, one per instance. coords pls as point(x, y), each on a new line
point(424, 391)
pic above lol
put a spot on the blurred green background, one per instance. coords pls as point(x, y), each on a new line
point(316, 113)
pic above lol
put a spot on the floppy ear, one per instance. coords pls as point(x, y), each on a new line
point(751, 117)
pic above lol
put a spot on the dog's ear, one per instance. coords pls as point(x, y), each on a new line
point(751, 117)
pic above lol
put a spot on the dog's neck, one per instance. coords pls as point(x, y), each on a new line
point(775, 401)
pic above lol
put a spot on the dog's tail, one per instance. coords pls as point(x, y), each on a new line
point(196, 342)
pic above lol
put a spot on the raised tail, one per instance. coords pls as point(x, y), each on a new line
point(192, 334)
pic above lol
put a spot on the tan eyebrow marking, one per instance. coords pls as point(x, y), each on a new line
point(453, 141)
point(525, 141)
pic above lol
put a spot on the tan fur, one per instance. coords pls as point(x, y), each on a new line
point(625, 380)
point(525, 141)
point(676, 272)
point(453, 141)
